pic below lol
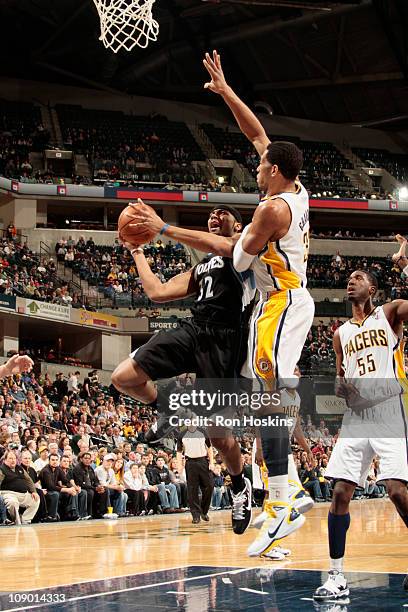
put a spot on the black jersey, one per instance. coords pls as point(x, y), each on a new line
point(221, 292)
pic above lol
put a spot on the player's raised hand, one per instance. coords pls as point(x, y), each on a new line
point(18, 363)
point(144, 215)
point(218, 84)
point(402, 241)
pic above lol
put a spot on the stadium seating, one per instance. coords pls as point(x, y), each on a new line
point(395, 163)
point(323, 163)
point(112, 271)
point(120, 146)
point(325, 271)
point(21, 132)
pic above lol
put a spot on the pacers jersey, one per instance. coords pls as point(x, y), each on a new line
point(371, 350)
point(290, 405)
point(282, 264)
point(224, 294)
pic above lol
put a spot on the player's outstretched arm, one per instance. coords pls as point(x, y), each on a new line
point(144, 215)
point(176, 288)
point(246, 119)
point(271, 221)
point(400, 257)
point(396, 313)
point(397, 310)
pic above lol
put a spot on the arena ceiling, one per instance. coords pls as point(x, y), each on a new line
point(324, 60)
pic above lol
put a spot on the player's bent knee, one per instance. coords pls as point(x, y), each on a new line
point(128, 375)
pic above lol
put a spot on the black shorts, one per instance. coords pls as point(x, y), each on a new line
point(207, 350)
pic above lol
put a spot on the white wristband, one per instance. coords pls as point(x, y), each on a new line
point(136, 250)
point(405, 270)
point(241, 259)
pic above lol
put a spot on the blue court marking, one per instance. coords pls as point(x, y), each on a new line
point(220, 589)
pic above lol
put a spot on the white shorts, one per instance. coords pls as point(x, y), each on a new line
point(278, 331)
point(352, 456)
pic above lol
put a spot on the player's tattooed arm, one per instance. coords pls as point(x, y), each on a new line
point(146, 216)
point(176, 288)
point(203, 241)
point(246, 119)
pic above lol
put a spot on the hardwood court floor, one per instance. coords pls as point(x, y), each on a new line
point(40, 556)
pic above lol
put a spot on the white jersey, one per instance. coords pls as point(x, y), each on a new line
point(282, 264)
point(371, 350)
point(290, 405)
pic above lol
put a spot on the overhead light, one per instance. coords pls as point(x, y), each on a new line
point(403, 193)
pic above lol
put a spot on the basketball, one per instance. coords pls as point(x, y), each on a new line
point(132, 232)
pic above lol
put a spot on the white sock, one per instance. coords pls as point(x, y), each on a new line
point(278, 488)
point(337, 564)
point(292, 471)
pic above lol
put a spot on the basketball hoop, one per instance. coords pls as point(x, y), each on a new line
point(126, 23)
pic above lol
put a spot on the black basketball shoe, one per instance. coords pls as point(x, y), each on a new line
point(242, 508)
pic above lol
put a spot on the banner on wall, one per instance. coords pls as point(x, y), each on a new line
point(45, 310)
point(163, 323)
point(98, 319)
point(330, 404)
point(8, 301)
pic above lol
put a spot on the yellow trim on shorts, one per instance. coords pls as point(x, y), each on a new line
point(267, 335)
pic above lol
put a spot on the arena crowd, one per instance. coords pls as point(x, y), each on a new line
point(71, 448)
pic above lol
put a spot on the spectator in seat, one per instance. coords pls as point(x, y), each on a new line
point(170, 504)
point(42, 512)
point(180, 482)
point(106, 477)
point(310, 481)
point(17, 489)
point(151, 492)
point(216, 502)
point(31, 445)
point(81, 496)
point(134, 491)
point(42, 461)
point(59, 489)
point(56, 422)
point(84, 477)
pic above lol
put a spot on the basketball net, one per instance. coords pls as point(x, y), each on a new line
point(126, 23)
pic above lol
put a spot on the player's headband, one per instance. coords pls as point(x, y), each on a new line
point(234, 212)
